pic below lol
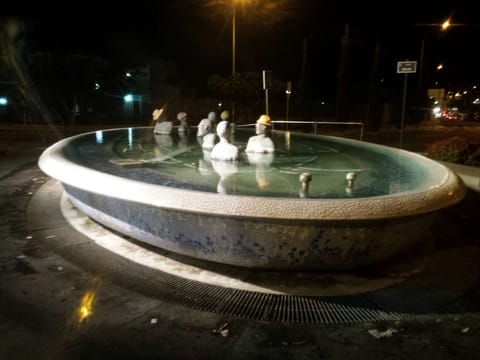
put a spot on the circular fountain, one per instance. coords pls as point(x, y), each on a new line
point(360, 204)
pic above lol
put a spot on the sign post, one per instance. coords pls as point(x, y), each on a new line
point(405, 67)
point(267, 83)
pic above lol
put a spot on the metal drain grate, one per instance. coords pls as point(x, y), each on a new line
point(268, 307)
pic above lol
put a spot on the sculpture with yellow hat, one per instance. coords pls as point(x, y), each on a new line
point(261, 143)
point(162, 126)
point(264, 120)
point(225, 115)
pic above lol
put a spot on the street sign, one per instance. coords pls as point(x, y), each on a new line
point(406, 67)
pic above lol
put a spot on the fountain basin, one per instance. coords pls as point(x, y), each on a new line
point(270, 232)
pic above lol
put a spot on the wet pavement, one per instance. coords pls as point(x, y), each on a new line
point(62, 296)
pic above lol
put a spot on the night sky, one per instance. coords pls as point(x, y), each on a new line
point(198, 37)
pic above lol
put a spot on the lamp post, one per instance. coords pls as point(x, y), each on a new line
point(234, 7)
point(288, 92)
point(234, 45)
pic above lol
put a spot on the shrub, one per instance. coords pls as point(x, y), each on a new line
point(474, 158)
point(457, 149)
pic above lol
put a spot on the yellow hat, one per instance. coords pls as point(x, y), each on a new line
point(224, 115)
point(157, 113)
point(264, 120)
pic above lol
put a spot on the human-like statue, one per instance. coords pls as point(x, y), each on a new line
point(225, 115)
point(205, 135)
point(183, 127)
point(261, 143)
point(209, 141)
point(162, 126)
point(204, 127)
point(223, 150)
point(212, 116)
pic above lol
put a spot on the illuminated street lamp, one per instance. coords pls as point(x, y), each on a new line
point(444, 26)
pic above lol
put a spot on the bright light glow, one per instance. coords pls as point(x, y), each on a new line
point(458, 94)
point(86, 306)
point(439, 66)
point(446, 24)
point(130, 138)
point(476, 101)
point(437, 111)
point(3, 101)
point(128, 98)
point(127, 74)
point(97, 86)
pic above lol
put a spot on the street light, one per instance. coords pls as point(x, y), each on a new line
point(443, 27)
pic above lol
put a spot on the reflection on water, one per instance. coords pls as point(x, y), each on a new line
point(225, 169)
point(262, 164)
point(178, 160)
point(99, 137)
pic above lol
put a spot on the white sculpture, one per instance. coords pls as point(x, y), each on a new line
point(162, 127)
point(212, 116)
point(205, 135)
point(223, 150)
point(204, 127)
point(183, 127)
point(261, 143)
point(225, 115)
point(208, 141)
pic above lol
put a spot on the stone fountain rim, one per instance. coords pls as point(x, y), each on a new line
point(448, 192)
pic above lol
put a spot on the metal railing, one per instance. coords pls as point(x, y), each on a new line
point(316, 123)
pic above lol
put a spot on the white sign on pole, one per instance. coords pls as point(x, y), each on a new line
point(406, 67)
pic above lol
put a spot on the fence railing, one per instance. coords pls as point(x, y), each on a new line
point(315, 124)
